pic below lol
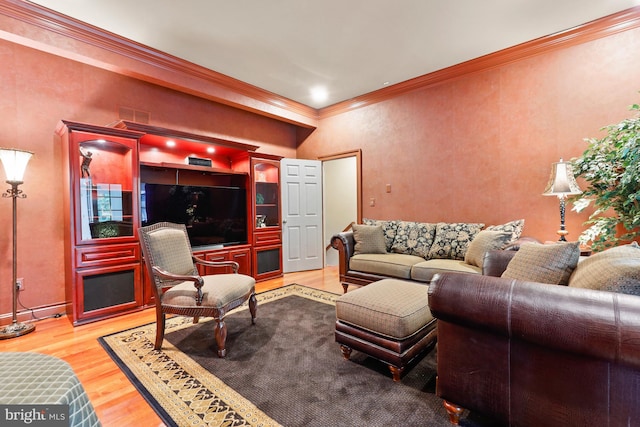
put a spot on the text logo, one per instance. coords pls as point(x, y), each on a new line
point(34, 415)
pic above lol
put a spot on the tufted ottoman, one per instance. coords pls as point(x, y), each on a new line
point(388, 320)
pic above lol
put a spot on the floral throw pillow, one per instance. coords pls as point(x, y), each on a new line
point(513, 227)
point(413, 238)
point(388, 229)
point(452, 240)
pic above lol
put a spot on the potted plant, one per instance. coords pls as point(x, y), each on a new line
point(611, 167)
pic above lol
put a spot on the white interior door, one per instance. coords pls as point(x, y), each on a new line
point(301, 214)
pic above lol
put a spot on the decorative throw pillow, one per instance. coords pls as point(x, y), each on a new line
point(369, 239)
point(514, 227)
point(615, 270)
point(388, 228)
point(485, 241)
point(452, 239)
point(404, 240)
point(413, 238)
point(552, 263)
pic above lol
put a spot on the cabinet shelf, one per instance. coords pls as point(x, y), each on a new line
point(178, 166)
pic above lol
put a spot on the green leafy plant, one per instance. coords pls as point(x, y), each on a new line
point(611, 166)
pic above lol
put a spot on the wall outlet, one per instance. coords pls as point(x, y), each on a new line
point(20, 284)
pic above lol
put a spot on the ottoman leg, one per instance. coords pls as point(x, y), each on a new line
point(396, 372)
point(454, 412)
point(346, 352)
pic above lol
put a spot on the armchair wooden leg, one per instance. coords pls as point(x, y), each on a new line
point(454, 412)
point(221, 337)
point(346, 352)
point(160, 322)
point(253, 304)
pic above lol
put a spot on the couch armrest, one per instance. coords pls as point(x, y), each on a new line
point(495, 262)
point(345, 245)
point(598, 324)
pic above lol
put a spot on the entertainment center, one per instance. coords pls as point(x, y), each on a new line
point(130, 174)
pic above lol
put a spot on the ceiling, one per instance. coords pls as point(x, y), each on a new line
point(348, 47)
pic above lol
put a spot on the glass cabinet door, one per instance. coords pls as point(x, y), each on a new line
point(105, 189)
point(267, 194)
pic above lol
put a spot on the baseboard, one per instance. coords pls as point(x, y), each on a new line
point(35, 314)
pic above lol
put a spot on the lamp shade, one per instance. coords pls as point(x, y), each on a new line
point(562, 182)
point(14, 162)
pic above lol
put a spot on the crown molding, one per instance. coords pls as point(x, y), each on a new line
point(603, 27)
point(133, 59)
point(80, 40)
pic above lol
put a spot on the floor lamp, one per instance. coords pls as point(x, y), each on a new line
point(15, 162)
point(562, 183)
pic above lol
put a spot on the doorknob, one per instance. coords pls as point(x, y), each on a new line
point(284, 221)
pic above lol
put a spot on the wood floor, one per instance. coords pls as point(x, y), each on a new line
point(116, 401)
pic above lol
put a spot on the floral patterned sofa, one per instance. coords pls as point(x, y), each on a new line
point(380, 249)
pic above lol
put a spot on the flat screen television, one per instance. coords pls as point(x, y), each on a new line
point(214, 216)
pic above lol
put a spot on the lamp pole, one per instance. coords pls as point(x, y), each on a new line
point(563, 231)
point(15, 329)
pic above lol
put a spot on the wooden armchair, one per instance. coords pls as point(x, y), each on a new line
point(179, 289)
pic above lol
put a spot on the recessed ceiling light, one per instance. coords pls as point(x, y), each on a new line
point(386, 84)
point(211, 150)
point(171, 143)
point(319, 93)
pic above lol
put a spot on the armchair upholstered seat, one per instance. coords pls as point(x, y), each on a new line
point(180, 289)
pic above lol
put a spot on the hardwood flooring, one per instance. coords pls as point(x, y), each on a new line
point(116, 401)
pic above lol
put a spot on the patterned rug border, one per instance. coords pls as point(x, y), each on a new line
point(198, 397)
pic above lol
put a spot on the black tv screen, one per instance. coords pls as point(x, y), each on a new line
point(214, 216)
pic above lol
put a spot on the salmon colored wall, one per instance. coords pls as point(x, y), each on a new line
point(479, 148)
point(40, 89)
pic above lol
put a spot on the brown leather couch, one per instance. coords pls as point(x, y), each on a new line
point(531, 354)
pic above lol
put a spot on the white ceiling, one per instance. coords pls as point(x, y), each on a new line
point(349, 47)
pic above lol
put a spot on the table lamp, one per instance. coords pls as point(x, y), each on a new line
point(562, 183)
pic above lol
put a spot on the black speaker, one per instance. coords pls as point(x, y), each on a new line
point(108, 289)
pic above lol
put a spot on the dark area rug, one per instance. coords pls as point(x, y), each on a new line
point(286, 369)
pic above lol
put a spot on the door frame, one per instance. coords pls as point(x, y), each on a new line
point(358, 155)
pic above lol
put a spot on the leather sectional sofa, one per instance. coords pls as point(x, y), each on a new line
point(527, 353)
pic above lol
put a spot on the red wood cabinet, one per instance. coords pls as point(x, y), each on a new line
point(105, 205)
point(239, 254)
point(102, 268)
point(267, 226)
